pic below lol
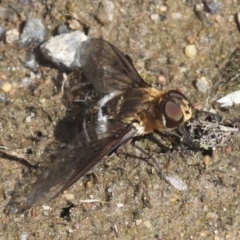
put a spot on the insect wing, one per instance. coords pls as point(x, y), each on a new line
point(89, 146)
point(107, 68)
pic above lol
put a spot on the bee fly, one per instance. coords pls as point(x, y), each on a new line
point(130, 108)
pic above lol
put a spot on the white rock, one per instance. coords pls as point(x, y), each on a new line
point(230, 99)
point(202, 84)
point(12, 36)
point(33, 31)
point(23, 236)
point(176, 183)
point(120, 205)
point(190, 51)
point(6, 87)
point(63, 50)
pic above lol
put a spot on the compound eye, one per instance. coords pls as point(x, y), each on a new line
point(176, 94)
point(173, 114)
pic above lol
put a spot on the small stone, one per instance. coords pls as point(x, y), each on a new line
point(46, 207)
point(205, 208)
point(4, 97)
point(211, 215)
point(63, 50)
point(63, 28)
point(29, 119)
point(228, 235)
point(147, 224)
point(163, 8)
point(203, 233)
point(12, 36)
point(213, 7)
point(162, 80)
point(31, 62)
point(74, 24)
point(33, 32)
point(27, 82)
point(155, 17)
point(190, 51)
point(45, 213)
point(230, 99)
point(138, 221)
point(69, 197)
point(43, 100)
point(109, 9)
point(176, 15)
point(6, 87)
point(206, 160)
point(23, 236)
point(120, 205)
point(202, 85)
point(76, 225)
point(176, 182)
point(199, 7)
point(89, 184)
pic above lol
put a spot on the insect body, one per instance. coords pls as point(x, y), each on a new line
point(147, 109)
point(130, 108)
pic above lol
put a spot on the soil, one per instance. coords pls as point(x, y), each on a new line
point(124, 197)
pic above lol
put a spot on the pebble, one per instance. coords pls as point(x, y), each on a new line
point(202, 85)
point(147, 224)
point(29, 118)
point(162, 80)
point(31, 62)
point(230, 99)
point(138, 221)
point(213, 7)
point(4, 98)
point(199, 7)
point(69, 197)
point(12, 36)
point(46, 207)
point(63, 50)
point(155, 17)
point(190, 51)
point(176, 183)
point(211, 215)
point(43, 100)
point(89, 184)
point(163, 8)
point(74, 24)
point(27, 82)
point(120, 205)
point(45, 213)
point(76, 225)
point(63, 28)
point(109, 9)
point(33, 32)
point(23, 236)
point(6, 87)
point(176, 15)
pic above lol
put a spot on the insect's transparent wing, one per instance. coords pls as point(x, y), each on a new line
point(107, 68)
point(79, 156)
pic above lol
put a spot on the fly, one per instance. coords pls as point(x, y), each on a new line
point(130, 108)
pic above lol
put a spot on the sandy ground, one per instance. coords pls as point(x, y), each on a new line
point(133, 202)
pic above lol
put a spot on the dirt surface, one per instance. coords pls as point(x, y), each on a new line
point(133, 202)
